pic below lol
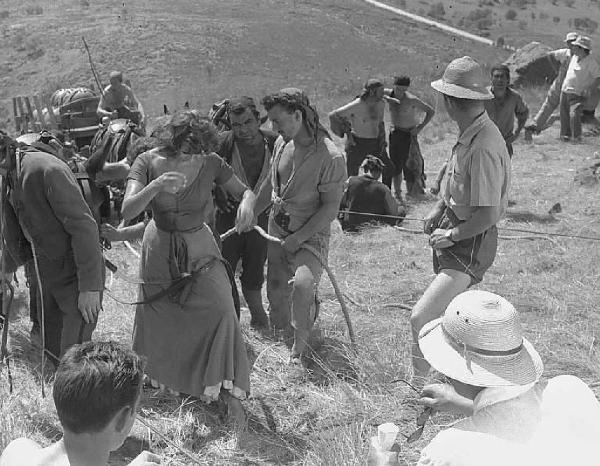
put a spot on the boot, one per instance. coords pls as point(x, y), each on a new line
point(257, 311)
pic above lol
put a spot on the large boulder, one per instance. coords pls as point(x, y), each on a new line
point(532, 65)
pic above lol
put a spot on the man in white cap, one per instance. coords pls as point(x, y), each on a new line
point(581, 78)
point(473, 197)
point(493, 377)
point(563, 56)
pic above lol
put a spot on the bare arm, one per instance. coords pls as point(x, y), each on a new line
point(137, 102)
point(429, 112)
point(101, 110)
point(339, 119)
point(137, 197)
point(245, 212)
point(263, 199)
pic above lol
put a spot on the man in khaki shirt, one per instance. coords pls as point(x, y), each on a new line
point(474, 190)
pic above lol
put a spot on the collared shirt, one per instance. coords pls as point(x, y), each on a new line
point(479, 170)
point(580, 75)
point(321, 170)
point(503, 111)
point(549, 424)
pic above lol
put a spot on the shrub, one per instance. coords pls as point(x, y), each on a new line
point(437, 10)
point(556, 19)
point(586, 24)
point(511, 15)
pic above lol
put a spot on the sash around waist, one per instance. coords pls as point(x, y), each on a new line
point(179, 223)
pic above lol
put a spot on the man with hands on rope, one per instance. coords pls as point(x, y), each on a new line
point(305, 187)
point(48, 222)
point(474, 190)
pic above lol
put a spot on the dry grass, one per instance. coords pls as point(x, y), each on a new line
point(326, 415)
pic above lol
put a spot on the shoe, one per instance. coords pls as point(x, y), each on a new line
point(565, 138)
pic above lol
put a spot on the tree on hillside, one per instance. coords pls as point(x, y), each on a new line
point(437, 10)
point(511, 15)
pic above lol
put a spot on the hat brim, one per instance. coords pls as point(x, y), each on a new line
point(521, 368)
point(582, 46)
point(461, 92)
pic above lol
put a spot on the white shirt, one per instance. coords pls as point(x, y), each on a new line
point(551, 424)
point(580, 75)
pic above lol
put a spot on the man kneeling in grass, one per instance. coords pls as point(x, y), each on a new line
point(96, 393)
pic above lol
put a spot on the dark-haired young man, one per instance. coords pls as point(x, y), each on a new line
point(305, 187)
point(506, 105)
point(96, 392)
point(405, 153)
point(248, 149)
point(361, 121)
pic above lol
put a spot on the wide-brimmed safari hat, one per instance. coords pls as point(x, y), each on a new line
point(571, 36)
point(464, 78)
point(584, 42)
point(479, 341)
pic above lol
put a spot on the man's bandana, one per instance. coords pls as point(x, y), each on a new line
point(311, 117)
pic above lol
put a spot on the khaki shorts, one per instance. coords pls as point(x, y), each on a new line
point(472, 256)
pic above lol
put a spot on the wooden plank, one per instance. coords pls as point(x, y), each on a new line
point(40, 111)
point(33, 124)
point(51, 116)
point(24, 121)
point(16, 115)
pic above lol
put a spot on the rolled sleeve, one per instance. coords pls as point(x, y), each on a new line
point(521, 109)
point(223, 171)
point(487, 178)
point(333, 176)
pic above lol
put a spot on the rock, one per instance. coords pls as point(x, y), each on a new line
point(555, 209)
point(531, 65)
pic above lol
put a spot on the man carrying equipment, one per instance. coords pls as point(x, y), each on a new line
point(119, 101)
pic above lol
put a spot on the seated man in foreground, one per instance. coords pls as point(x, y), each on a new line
point(119, 101)
point(494, 378)
point(96, 393)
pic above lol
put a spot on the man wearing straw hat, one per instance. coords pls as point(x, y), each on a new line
point(473, 197)
point(493, 377)
point(581, 78)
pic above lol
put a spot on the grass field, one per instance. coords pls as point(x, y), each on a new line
point(326, 415)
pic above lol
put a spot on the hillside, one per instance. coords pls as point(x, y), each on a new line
point(517, 21)
point(204, 50)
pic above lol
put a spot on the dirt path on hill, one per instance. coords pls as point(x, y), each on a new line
point(430, 22)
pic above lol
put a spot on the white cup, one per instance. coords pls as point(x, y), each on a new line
point(386, 434)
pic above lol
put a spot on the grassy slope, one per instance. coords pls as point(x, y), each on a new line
point(533, 22)
point(324, 417)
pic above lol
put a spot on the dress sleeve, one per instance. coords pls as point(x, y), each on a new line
point(223, 171)
point(140, 170)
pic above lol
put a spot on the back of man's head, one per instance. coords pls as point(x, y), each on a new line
point(94, 381)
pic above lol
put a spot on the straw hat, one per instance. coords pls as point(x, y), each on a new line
point(479, 341)
point(464, 79)
point(571, 36)
point(584, 42)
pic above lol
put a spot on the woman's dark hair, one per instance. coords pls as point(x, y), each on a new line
point(93, 382)
point(187, 127)
point(288, 102)
point(372, 164)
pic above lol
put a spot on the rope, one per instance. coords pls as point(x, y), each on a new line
point(165, 439)
point(516, 230)
point(323, 261)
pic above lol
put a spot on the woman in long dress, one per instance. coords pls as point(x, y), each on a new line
point(187, 326)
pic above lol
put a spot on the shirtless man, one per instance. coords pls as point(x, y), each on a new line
point(405, 110)
point(97, 389)
point(305, 187)
point(362, 122)
point(119, 101)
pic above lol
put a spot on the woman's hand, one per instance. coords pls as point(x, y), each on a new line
point(245, 213)
point(170, 182)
